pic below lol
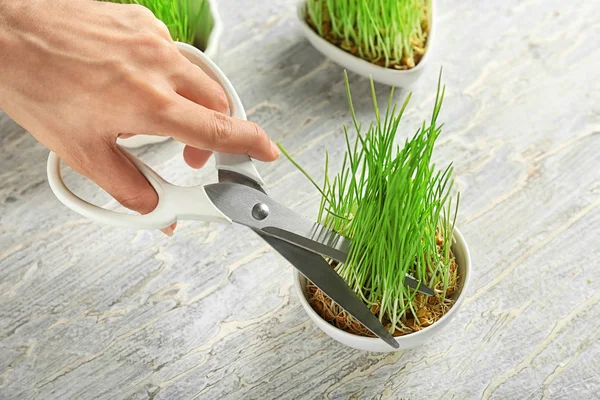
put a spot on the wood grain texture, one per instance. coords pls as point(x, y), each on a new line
point(90, 311)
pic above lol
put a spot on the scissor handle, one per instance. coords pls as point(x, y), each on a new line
point(174, 202)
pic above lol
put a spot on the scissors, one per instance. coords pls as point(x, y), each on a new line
point(239, 197)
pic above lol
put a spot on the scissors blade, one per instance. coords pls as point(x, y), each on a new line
point(316, 248)
point(318, 271)
point(241, 203)
point(237, 196)
point(418, 286)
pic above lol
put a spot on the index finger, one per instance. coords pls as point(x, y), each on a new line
point(207, 129)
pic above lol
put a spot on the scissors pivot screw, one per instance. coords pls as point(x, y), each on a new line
point(260, 211)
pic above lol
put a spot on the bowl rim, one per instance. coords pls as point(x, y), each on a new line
point(300, 8)
point(347, 336)
point(217, 30)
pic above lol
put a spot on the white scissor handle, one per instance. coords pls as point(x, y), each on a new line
point(174, 202)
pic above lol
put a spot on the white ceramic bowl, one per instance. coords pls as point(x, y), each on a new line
point(388, 76)
point(208, 41)
point(463, 260)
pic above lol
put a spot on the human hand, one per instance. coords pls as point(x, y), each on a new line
point(77, 74)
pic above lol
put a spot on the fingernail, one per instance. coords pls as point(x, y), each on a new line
point(169, 230)
point(275, 149)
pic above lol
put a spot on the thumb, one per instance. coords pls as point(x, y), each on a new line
point(114, 172)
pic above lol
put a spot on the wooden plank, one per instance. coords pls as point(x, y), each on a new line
point(92, 311)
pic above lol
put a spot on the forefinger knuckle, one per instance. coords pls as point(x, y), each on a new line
point(139, 11)
point(156, 47)
point(162, 29)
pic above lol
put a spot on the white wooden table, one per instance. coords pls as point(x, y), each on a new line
point(90, 311)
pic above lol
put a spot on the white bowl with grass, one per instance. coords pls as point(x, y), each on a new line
point(411, 340)
point(209, 29)
point(207, 39)
point(388, 76)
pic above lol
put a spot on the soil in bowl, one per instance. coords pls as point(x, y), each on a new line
point(428, 309)
point(349, 44)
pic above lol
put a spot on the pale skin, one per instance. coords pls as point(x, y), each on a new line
point(78, 74)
